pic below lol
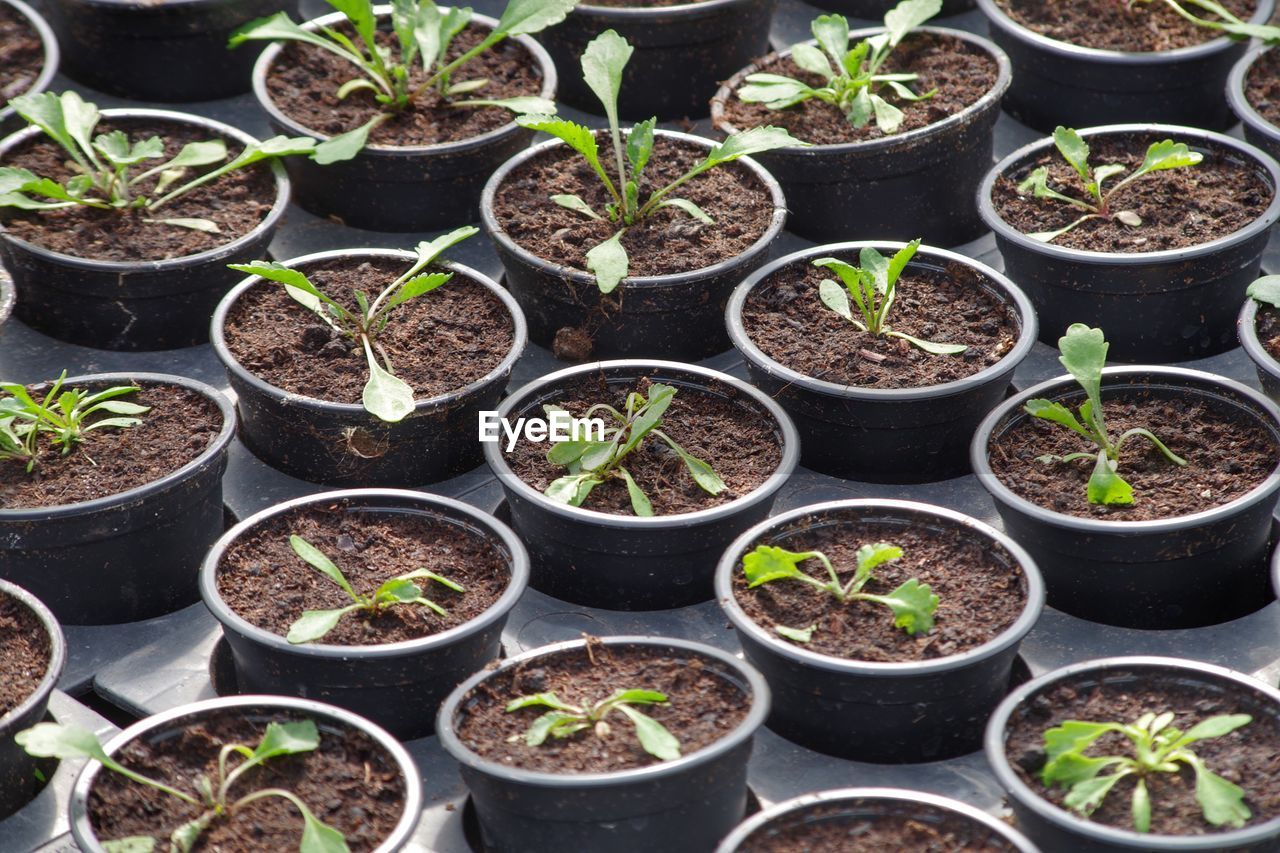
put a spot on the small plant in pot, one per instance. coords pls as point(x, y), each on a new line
point(1152, 222)
point(30, 58)
point(901, 118)
point(1259, 331)
point(856, 610)
point(624, 743)
point(378, 601)
point(1254, 95)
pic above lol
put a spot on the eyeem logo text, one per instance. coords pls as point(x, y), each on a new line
point(557, 426)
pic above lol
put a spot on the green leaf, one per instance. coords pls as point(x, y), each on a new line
point(1221, 800)
point(475, 85)
point(608, 261)
point(538, 731)
point(279, 27)
point(1083, 352)
point(1106, 486)
point(132, 844)
point(385, 396)
point(317, 559)
point(577, 205)
point(770, 563)
point(701, 471)
point(602, 63)
point(888, 117)
point(688, 207)
point(913, 605)
point(518, 104)
point(653, 736)
point(53, 740)
point(930, 347)
point(872, 557)
point(1141, 806)
point(360, 14)
point(901, 258)
point(417, 286)
point(1167, 155)
point(428, 251)
point(525, 17)
point(908, 15)
point(1056, 412)
point(1073, 767)
point(748, 142)
point(1084, 797)
point(1074, 150)
point(639, 501)
point(116, 148)
point(356, 84)
point(205, 225)
point(13, 179)
point(296, 284)
point(318, 837)
point(573, 489)
point(798, 635)
point(1071, 736)
point(811, 59)
point(1215, 727)
point(314, 624)
point(774, 90)
point(832, 35)
point(660, 397)
point(344, 146)
point(835, 297)
point(642, 697)
point(547, 700)
point(67, 119)
point(578, 137)
point(640, 146)
point(289, 738)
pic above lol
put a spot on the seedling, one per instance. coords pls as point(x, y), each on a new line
point(401, 589)
point(210, 796)
point(1160, 157)
point(1083, 352)
point(1157, 748)
point(385, 396)
point(423, 33)
point(110, 166)
point(62, 415)
point(1266, 290)
point(873, 287)
point(913, 603)
point(565, 720)
point(602, 65)
point(1228, 24)
point(854, 82)
point(591, 463)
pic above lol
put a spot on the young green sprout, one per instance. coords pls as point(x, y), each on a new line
point(912, 603)
point(1227, 24)
point(565, 720)
point(211, 797)
point(855, 83)
point(62, 415)
point(592, 463)
point(423, 34)
point(873, 286)
point(1160, 157)
point(602, 64)
point(1265, 290)
point(385, 396)
point(1083, 352)
point(110, 167)
point(1158, 748)
point(401, 589)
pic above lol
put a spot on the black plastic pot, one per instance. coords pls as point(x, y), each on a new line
point(1257, 130)
point(885, 435)
point(400, 188)
point(262, 709)
point(127, 556)
point(919, 183)
point(1056, 82)
point(678, 316)
point(626, 562)
point(1054, 828)
point(1160, 306)
point(1182, 572)
point(895, 713)
point(680, 806)
point(682, 52)
point(397, 685)
point(133, 305)
point(341, 444)
point(18, 782)
point(859, 806)
point(9, 120)
point(1267, 368)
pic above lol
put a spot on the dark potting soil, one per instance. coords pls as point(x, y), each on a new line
point(1268, 329)
point(23, 55)
point(665, 241)
point(702, 706)
point(786, 319)
point(980, 589)
point(24, 653)
point(439, 342)
point(961, 72)
point(734, 437)
point(266, 583)
point(1262, 86)
point(304, 80)
point(349, 782)
point(1227, 456)
point(237, 202)
point(1178, 207)
point(915, 827)
point(180, 426)
point(1111, 25)
point(1247, 756)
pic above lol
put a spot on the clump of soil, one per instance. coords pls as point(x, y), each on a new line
point(878, 827)
point(23, 56)
point(1139, 27)
point(25, 651)
point(1262, 86)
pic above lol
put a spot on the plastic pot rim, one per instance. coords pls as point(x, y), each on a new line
point(57, 652)
point(1247, 333)
point(519, 340)
point(492, 527)
point(757, 712)
point(493, 455)
point(1191, 135)
point(1009, 637)
point(1239, 104)
point(403, 831)
point(993, 742)
point(1011, 295)
point(8, 296)
point(52, 54)
point(1172, 377)
point(643, 14)
point(145, 491)
point(541, 60)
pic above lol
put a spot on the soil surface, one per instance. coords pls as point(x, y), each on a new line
point(961, 72)
point(733, 436)
point(23, 56)
point(180, 426)
point(702, 706)
point(438, 342)
point(237, 202)
point(1268, 329)
point(1246, 756)
point(1227, 457)
point(786, 319)
point(1262, 86)
point(266, 583)
point(24, 653)
point(1178, 207)
point(349, 782)
point(304, 80)
point(665, 241)
point(981, 591)
point(1115, 25)
point(915, 827)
